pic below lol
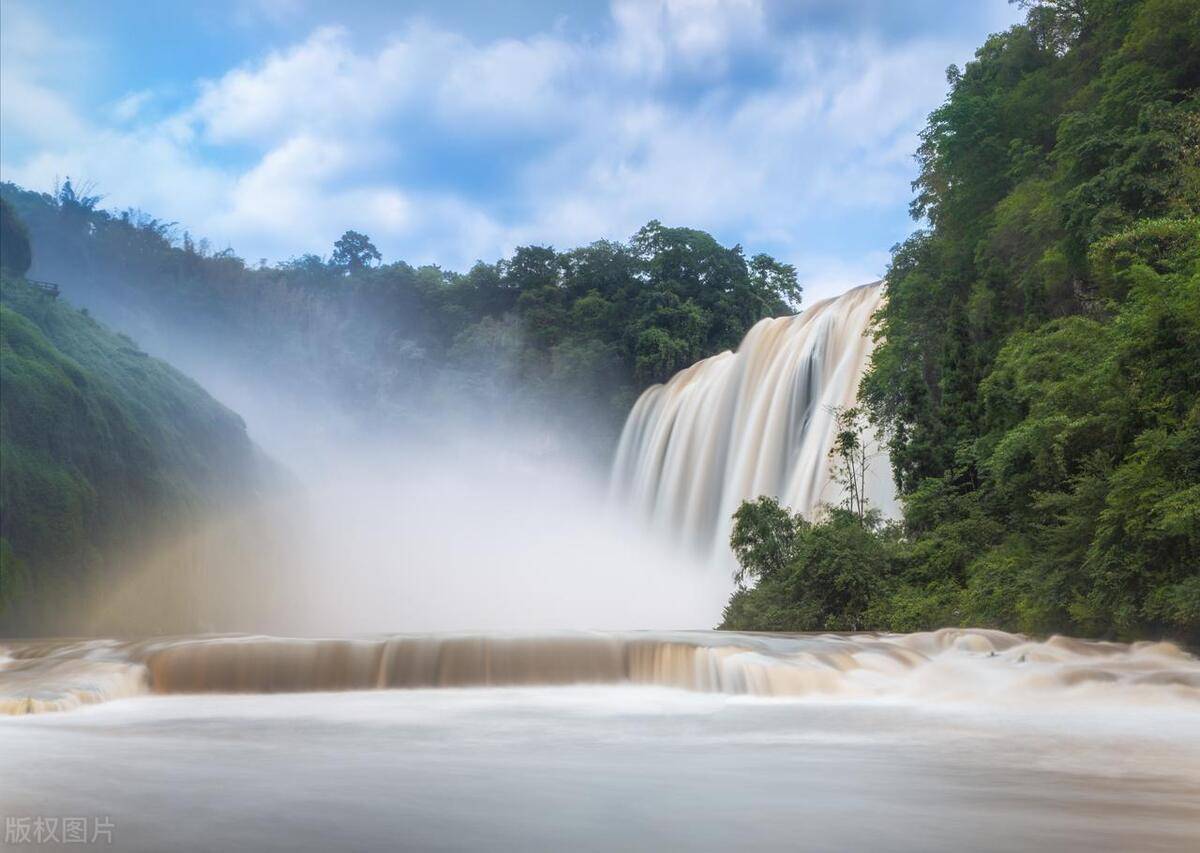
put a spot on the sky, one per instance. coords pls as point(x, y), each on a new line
point(455, 131)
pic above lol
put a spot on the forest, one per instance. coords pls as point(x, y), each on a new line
point(580, 331)
point(1037, 370)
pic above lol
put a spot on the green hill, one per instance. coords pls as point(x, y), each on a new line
point(101, 448)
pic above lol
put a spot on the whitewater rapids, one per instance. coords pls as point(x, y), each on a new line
point(758, 421)
point(950, 664)
point(945, 741)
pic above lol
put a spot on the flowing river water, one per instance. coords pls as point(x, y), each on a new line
point(951, 740)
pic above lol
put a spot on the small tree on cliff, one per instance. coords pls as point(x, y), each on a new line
point(850, 456)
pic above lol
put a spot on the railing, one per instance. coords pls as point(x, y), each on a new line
point(45, 287)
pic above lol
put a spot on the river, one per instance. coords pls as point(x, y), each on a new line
point(695, 740)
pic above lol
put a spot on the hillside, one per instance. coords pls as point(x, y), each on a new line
point(1038, 370)
point(103, 448)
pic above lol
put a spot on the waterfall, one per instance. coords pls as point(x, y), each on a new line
point(754, 422)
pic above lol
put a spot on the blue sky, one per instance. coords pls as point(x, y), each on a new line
point(456, 131)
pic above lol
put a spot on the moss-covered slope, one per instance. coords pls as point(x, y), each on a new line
point(100, 446)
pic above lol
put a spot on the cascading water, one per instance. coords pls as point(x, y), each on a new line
point(952, 663)
point(759, 421)
point(950, 740)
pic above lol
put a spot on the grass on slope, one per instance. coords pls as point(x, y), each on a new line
point(99, 444)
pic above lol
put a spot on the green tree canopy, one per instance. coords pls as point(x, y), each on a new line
point(354, 252)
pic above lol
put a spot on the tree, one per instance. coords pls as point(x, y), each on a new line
point(1056, 24)
point(763, 539)
point(773, 281)
point(850, 456)
point(354, 253)
point(827, 576)
point(15, 255)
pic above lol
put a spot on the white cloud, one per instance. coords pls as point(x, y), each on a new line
point(511, 81)
point(37, 65)
point(130, 106)
point(704, 29)
point(823, 136)
point(319, 83)
point(36, 112)
point(696, 35)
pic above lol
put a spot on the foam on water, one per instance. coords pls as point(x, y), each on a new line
point(950, 665)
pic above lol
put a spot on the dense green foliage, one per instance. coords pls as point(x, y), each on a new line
point(100, 446)
point(808, 577)
point(587, 329)
point(1038, 367)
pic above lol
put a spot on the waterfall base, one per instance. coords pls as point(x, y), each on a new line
point(951, 664)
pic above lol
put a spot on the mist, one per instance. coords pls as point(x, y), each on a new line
point(478, 533)
point(498, 519)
